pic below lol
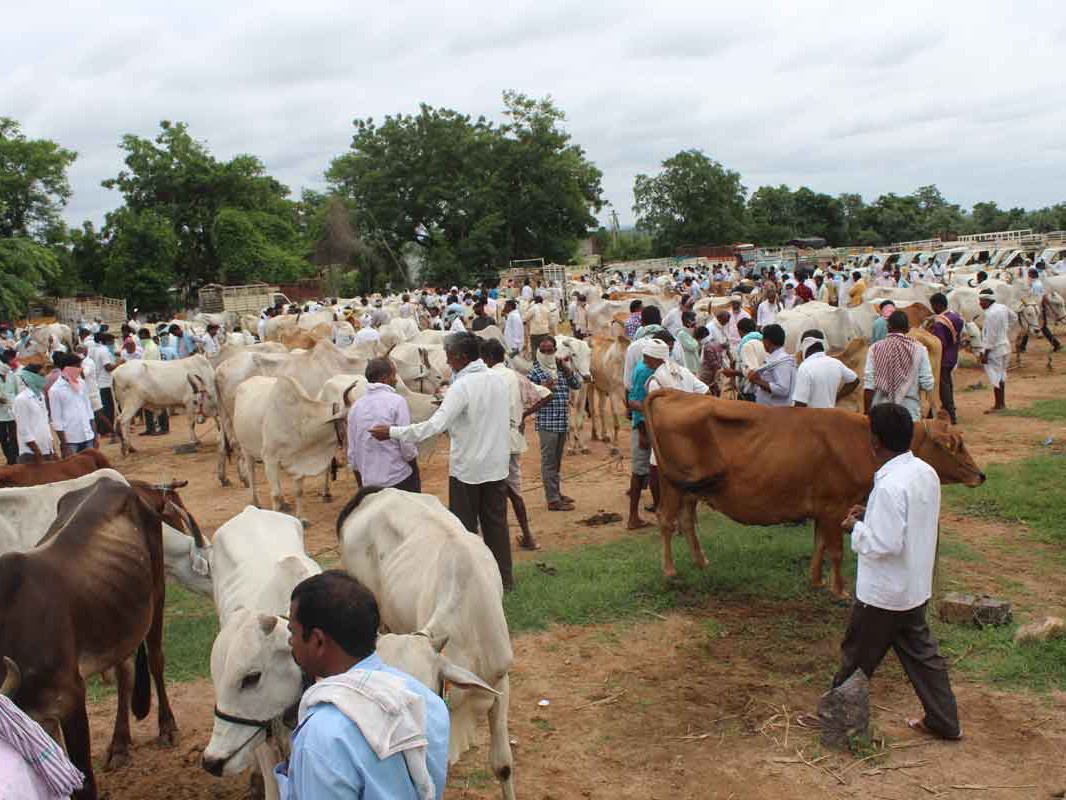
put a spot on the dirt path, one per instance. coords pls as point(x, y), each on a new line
point(681, 707)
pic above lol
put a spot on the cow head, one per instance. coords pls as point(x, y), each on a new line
point(940, 445)
point(429, 378)
point(205, 403)
point(1029, 317)
point(256, 682)
point(579, 353)
point(419, 655)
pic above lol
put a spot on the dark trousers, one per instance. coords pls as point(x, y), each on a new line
point(485, 503)
point(871, 631)
point(412, 483)
point(551, 462)
point(947, 393)
point(9, 442)
point(150, 420)
point(107, 400)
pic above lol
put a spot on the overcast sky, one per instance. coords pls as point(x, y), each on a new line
point(840, 96)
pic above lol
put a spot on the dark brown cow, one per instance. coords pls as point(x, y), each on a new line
point(52, 471)
point(765, 466)
point(59, 624)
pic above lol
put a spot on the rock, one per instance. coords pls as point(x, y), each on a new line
point(844, 712)
point(968, 609)
point(1042, 631)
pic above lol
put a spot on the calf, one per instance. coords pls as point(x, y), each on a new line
point(51, 471)
point(60, 625)
point(438, 585)
point(728, 453)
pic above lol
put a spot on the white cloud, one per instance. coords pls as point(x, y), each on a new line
point(840, 96)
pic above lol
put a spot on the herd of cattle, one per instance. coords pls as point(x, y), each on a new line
point(438, 588)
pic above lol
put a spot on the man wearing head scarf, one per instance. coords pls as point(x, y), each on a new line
point(654, 353)
point(715, 347)
point(8, 391)
point(32, 765)
point(995, 347)
point(820, 380)
point(774, 379)
point(553, 419)
point(880, 327)
point(31, 418)
point(72, 413)
point(897, 367)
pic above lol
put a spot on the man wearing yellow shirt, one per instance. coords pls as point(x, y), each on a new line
point(858, 289)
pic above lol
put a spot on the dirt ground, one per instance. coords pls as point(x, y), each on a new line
point(660, 708)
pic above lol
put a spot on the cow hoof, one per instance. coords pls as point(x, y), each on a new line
point(284, 508)
point(169, 736)
point(305, 522)
point(223, 482)
point(116, 759)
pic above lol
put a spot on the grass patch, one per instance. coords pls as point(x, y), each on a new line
point(990, 655)
point(1028, 493)
point(608, 582)
point(189, 630)
point(955, 549)
point(1048, 410)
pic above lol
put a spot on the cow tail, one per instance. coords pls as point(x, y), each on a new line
point(142, 684)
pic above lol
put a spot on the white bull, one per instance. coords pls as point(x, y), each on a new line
point(579, 355)
point(421, 367)
point(188, 383)
point(45, 339)
point(840, 325)
point(436, 584)
point(276, 422)
point(257, 558)
point(26, 514)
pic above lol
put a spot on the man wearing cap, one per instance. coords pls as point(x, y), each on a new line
point(995, 347)
point(820, 380)
point(897, 367)
point(654, 353)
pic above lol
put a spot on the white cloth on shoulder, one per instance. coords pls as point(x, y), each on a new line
point(390, 716)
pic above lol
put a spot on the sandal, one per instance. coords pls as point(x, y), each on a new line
point(524, 545)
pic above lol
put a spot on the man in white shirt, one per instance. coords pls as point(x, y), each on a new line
point(672, 320)
point(514, 332)
point(995, 347)
point(476, 414)
point(368, 334)
point(72, 413)
point(766, 314)
point(1038, 296)
point(539, 318)
point(104, 358)
point(820, 380)
point(894, 538)
point(210, 342)
point(736, 314)
point(31, 418)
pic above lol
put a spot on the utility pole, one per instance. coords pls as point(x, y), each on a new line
point(614, 225)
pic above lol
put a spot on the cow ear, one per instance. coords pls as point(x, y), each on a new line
point(462, 678)
point(267, 623)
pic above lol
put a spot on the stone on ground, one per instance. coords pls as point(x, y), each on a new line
point(844, 712)
point(1041, 630)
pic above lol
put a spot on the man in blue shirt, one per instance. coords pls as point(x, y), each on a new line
point(656, 351)
point(333, 624)
point(553, 419)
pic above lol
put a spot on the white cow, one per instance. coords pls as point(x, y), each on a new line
point(26, 514)
point(579, 354)
point(421, 367)
point(46, 339)
point(436, 584)
point(257, 558)
point(188, 383)
point(840, 325)
point(276, 422)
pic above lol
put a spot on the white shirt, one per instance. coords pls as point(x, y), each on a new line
point(539, 318)
point(515, 438)
point(457, 325)
point(818, 379)
point(896, 541)
point(994, 334)
point(674, 376)
point(634, 354)
point(672, 320)
point(102, 357)
point(31, 420)
point(514, 331)
point(210, 344)
point(1060, 267)
point(71, 411)
point(476, 414)
point(527, 292)
point(367, 335)
point(261, 326)
point(766, 314)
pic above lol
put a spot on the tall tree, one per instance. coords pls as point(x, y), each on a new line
point(693, 200)
point(176, 177)
point(141, 257)
point(33, 191)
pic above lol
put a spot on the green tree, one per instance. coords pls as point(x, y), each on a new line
point(628, 246)
point(142, 254)
point(693, 200)
point(176, 177)
point(24, 266)
point(88, 257)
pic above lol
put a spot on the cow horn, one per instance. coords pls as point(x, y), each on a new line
point(13, 679)
point(424, 355)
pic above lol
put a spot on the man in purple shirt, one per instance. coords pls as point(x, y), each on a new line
point(381, 463)
point(947, 327)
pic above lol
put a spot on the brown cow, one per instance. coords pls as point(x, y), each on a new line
point(766, 466)
point(52, 471)
point(60, 625)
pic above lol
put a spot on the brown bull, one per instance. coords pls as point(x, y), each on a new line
point(53, 471)
point(766, 466)
point(60, 625)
